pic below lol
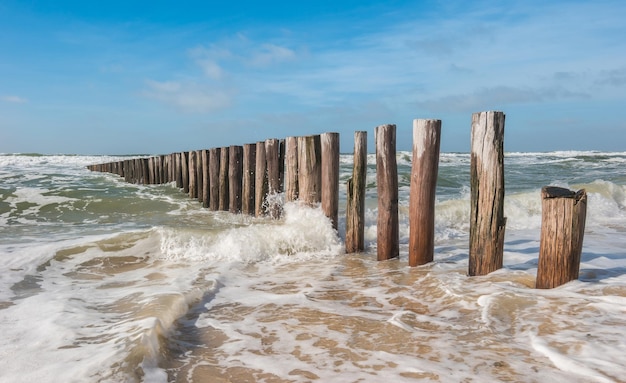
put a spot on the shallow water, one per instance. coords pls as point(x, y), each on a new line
point(102, 281)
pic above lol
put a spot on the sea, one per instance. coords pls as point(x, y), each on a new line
point(106, 281)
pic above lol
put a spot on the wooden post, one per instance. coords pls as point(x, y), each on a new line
point(309, 169)
point(330, 176)
point(214, 178)
point(205, 178)
point(291, 169)
point(193, 187)
point(184, 160)
point(224, 163)
point(179, 170)
point(235, 173)
point(145, 170)
point(388, 230)
point(272, 156)
point(562, 230)
point(199, 176)
point(425, 166)
point(150, 175)
point(487, 221)
point(260, 181)
point(355, 204)
point(249, 164)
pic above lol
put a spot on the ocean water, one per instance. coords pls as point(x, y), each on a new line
point(104, 281)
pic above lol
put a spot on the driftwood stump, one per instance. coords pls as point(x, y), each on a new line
point(562, 230)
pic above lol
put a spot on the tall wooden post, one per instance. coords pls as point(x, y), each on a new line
point(388, 231)
point(355, 204)
point(272, 156)
point(487, 221)
point(193, 187)
point(214, 178)
point(249, 164)
point(425, 166)
point(224, 196)
point(291, 169)
point(179, 170)
point(562, 230)
point(184, 160)
point(330, 176)
point(235, 178)
point(205, 179)
point(309, 169)
point(199, 176)
point(260, 181)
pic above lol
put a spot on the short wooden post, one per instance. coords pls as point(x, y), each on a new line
point(291, 169)
point(562, 230)
point(205, 178)
point(487, 221)
point(235, 178)
point(249, 164)
point(309, 169)
point(272, 156)
point(330, 176)
point(193, 187)
point(224, 197)
point(388, 230)
point(425, 166)
point(260, 180)
point(355, 204)
point(214, 178)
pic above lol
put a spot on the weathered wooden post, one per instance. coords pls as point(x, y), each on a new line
point(272, 156)
point(184, 160)
point(145, 170)
point(206, 178)
point(193, 187)
point(214, 178)
point(150, 175)
point(260, 181)
point(224, 163)
point(179, 170)
point(199, 176)
point(235, 178)
point(291, 169)
point(309, 169)
point(249, 164)
point(487, 221)
point(388, 231)
point(330, 176)
point(562, 230)
point(425, 166)
point(355, 204)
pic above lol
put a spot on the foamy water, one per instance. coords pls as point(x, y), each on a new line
point(102, 281)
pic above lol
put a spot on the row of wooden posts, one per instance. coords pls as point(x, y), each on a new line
point(252, 179)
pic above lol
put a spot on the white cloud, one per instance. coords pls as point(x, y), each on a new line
point(211, 69)
point(13, 99)
point(188, 97)
point(499, 96)
point(272, 54)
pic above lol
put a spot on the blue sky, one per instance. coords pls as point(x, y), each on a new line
point(122, 77)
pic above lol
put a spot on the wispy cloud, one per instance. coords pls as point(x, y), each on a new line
point(272, 54)
point(13, 99)
point(496, 97)
point(188, 97)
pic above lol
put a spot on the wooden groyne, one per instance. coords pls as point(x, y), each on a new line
point(254, 179)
